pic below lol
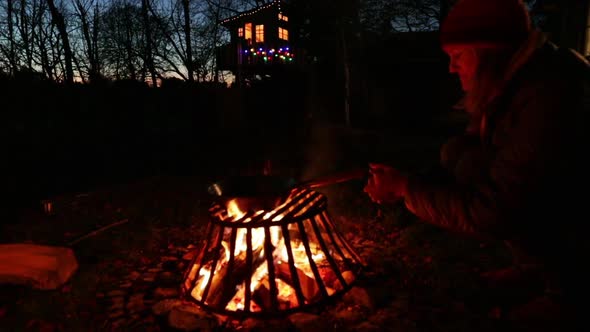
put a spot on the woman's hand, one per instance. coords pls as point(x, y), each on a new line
point(385, 184)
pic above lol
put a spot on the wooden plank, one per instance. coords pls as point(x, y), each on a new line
point(38, 266)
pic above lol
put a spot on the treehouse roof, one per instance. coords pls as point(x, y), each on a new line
point(251, 12)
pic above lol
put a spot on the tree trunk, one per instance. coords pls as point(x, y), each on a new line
point(149, 54)
point(187, 37)
point(61, 28)
point(94, 56)
point(45, 65)
point(24, 33)
point(11, 52)
point(83, 12)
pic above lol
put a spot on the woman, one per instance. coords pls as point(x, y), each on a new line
point(521, 159)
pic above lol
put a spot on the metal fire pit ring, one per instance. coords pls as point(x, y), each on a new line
point(271, 263)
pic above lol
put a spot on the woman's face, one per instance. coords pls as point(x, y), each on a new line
point(463, 62)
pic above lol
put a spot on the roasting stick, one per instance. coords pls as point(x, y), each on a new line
point(97, 231)
point(354, 174)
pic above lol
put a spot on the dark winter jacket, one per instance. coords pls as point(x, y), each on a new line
point(534, 181)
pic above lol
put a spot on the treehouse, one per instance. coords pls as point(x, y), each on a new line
point(262, 42)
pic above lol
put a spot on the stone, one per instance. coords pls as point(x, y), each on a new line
point(309, 322)
point(189, 256)
point(116, 314)
point(359, 296)
point(119, 323)
point(349, 315)
point(189, 320)
point(126, 285)
point(168, 258)
point(134, 275)
point(135, 303)
point(164, 306)
point(162, 292)
point(116, 306)
point(37, 266)
point(267, 325)
point(116, 293)
point(367, 327)
point(118, 299)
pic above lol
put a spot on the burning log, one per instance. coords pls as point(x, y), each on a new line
point(263, 297)
point(308, 285)
point(224, 281)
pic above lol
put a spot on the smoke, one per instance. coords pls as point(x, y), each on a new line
point(323, 151)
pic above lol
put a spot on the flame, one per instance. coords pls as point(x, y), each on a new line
point(233, 210)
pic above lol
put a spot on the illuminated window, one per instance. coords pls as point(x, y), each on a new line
point(260, 33)
point(283, 34)
point(283, 18)
point(240, 32)
point(248, 31)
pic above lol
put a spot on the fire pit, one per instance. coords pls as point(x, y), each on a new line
point(270, 263)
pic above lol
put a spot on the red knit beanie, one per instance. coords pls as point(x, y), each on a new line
point(486, 23)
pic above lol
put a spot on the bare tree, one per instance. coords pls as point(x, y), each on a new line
point(187, 36)
point(120, 38)
point(11, 53)
point(87, 13)
point(58, 18)
point(148, 53)
point(25, 31)
point(46, 42)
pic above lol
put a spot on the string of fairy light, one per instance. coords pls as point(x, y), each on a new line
point(282, 53)
point(254, 11)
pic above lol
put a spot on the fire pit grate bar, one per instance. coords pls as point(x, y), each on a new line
point(292, 268)
point(300, 205)
point(294, 204)
point(230, 276)
point(314, 268)
point(268, 250)
point(333, 240)
point(217, 248)
point(200, 258)
point(248, 291)
point(340, 241)
point(329, 257)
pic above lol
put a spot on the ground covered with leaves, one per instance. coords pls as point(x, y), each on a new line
point(417, 277)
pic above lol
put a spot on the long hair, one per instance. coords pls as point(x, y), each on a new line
point(493, 63)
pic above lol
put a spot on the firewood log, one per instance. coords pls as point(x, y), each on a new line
point(308, 285)
point(221, 293)
point(38, 266)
